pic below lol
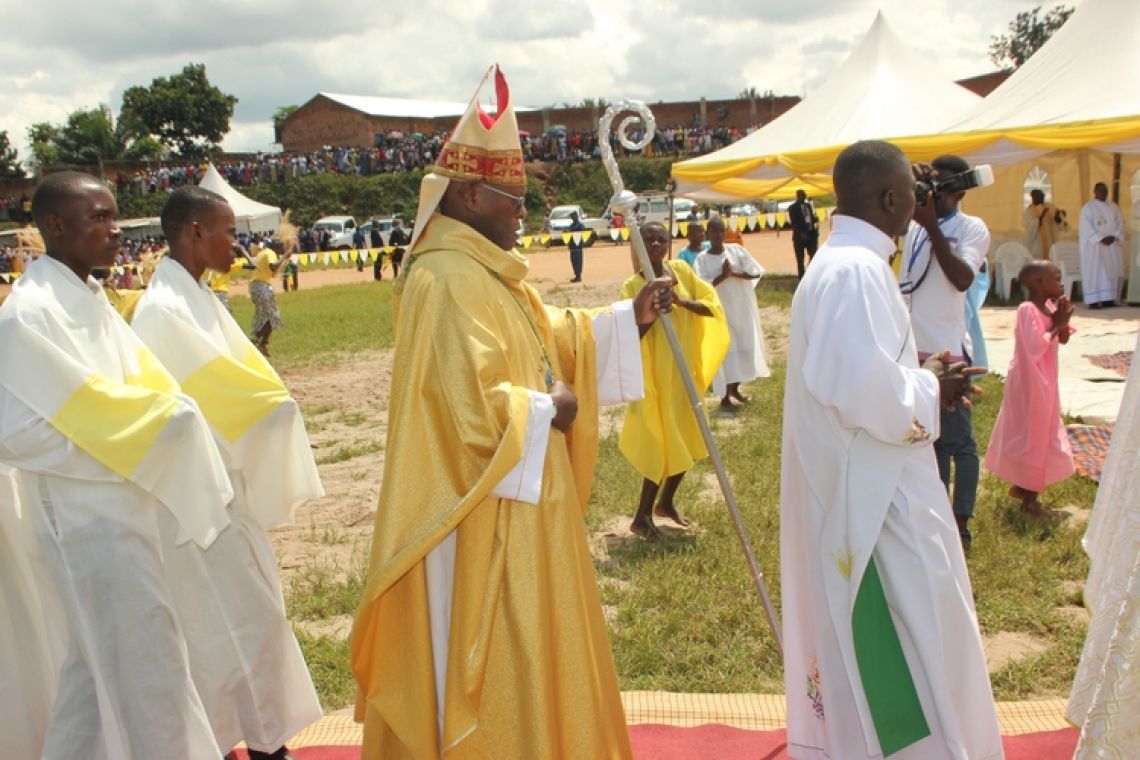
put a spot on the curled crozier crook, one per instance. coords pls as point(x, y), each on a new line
point(623, 201)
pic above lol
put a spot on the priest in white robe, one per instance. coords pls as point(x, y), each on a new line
point(735, 274)
point(33, 627)
point(1105, 699)
point(244, 658)
point(1102, 262)
point(883, 655)
point(102, 441)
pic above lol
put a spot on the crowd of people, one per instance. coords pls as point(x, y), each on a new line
point(480, 630)
point(398, 153)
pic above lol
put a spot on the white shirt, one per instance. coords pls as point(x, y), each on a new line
point(937, 308)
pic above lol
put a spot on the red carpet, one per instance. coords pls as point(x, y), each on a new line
point(717, 742)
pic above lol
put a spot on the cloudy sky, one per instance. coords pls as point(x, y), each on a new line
point(69, 54)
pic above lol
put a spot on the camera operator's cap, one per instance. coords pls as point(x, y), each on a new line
point(481, 148)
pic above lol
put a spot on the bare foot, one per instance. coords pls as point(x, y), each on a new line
point(1030, 506)
point(670, 512)
point(645, 528)
point(726, 406)
point(742, 399)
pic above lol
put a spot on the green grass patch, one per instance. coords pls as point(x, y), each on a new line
point(330, 668)
point(322, 591)
point(351, 451)
point(327, 324)
point(686, 615)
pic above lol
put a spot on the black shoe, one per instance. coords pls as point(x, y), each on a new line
point(964, 532)
point(282, 753)
point(576, 279)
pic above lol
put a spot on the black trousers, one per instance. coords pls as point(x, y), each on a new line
point(804, 244)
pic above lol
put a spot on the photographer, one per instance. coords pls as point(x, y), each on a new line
point(943, 252)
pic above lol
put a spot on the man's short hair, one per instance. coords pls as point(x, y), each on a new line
point(186, 205)
point(950, 164)
point(860, 165)
point(56, 188)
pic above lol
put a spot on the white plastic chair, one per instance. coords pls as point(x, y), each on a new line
point(1009, 258)
point(1067, 255)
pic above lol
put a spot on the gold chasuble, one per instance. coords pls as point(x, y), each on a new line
point(529, 672)
point(660, 436)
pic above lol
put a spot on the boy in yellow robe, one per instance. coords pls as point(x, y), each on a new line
point(660, 436)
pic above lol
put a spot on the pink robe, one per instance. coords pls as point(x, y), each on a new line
point(1029, 446)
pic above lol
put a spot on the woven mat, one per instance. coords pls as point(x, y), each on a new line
point(757, 712)
point(1090, 446)
point(1120, 362)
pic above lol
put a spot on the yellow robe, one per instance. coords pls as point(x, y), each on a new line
point(529, 672)
point(660, 436)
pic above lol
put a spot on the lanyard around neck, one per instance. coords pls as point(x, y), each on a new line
point(916, 248)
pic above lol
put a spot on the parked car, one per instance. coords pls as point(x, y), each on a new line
point(683, 209)
point(743, 209)
point(559, 221)
point(340, 230)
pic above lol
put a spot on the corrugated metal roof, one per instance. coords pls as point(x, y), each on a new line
point(404, 107)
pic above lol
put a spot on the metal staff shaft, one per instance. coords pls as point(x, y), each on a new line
point(626, 203)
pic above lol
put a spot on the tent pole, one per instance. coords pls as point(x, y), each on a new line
point(1116, 178)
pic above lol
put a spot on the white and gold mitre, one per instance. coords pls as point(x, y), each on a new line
point(481, 148)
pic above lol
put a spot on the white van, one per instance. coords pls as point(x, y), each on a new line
point(340, 230)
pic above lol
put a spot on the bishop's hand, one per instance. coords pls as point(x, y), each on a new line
point(655, 298)
point(565, 406)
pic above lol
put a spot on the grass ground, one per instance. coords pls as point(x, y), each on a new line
point(683, 613)
point(327, 325)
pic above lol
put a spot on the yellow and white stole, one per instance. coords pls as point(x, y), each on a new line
point(256, 422)
point(71, 359)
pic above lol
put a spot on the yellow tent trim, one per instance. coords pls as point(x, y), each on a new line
point(1072, 135)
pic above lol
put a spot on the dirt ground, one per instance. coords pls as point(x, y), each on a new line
point(605, 263)
point(346, 405)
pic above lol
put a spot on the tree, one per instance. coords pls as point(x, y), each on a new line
point(42, 136)
point(184, 111)
point(89, 137)
point(1027, 33)
point(279, 117)
point(9, 159)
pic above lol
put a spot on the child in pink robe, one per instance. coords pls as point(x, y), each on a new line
point(1029, 446)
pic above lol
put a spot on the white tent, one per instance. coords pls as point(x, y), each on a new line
point(251, 215)
point(1072, 106)
point(883, 89)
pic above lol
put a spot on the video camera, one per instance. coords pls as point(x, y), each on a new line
point(979, 176)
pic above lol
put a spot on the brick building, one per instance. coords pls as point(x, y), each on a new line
point(355, 120)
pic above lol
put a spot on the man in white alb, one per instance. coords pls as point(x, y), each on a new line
point(1101, 231)
point(883, 655)
point(102, 440)
point(735, 274)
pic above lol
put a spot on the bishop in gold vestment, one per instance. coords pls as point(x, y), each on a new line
point(480, 631)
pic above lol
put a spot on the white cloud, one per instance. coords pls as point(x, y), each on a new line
point(71, 54)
